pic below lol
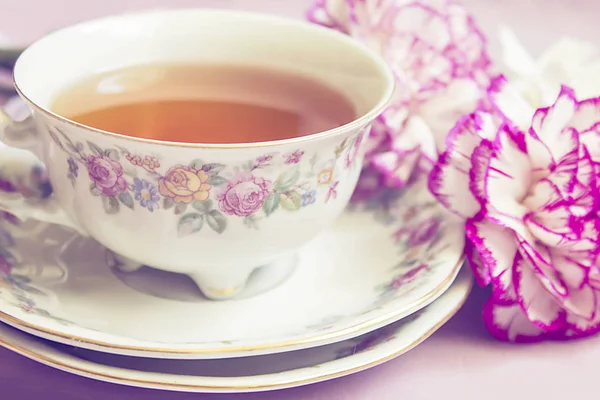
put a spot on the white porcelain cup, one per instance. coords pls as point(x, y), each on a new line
point(214, 212)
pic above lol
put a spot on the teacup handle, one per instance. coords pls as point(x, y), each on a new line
point(22, 168)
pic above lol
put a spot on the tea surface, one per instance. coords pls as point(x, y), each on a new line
point(204, 104)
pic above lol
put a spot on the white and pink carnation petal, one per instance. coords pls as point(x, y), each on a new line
point(329, 13)
point(497, 248)
point(593, 277)
point(470, 42)
point(590, 140)
point(582, 298)
point(509, 103)
point(587, 115)
point(415, 133)
point(480, 270)
point(396, 167)
point(449, 179)
point(420, 69)
point(582, 197)
point(541, 308)
point(540, 258)
point(428, 21)
point(578, 327)
point(549, 219)
point(552, 125)
point(449, 104)
point(565, 169)
point(508, 323)
point(506, 178)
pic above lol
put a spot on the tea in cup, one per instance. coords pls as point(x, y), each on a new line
point(203, 142)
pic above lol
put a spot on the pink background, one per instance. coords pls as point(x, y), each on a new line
point(459, 361)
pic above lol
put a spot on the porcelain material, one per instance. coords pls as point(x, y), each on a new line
point(373, 267)
point(252, 373)
point(213, 212)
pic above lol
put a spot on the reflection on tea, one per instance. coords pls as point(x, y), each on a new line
point(204, 104)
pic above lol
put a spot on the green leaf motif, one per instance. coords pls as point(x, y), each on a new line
point(288, 178)
point(291, 201)
point(251, 222)
point(196, 164)
point(71, 147)
point(180, 208)
point(110, 204)
point(94, 190)
point(168, 203)
point(248, 166)
point(216, 221)
point(271, 203)
point(112, 154)
point(189, 223)
point(217, 180)
point(126, 199)
point(95, 148)
point(313, 160)
point(69, 143)
point(214, 168)
point(203, 206)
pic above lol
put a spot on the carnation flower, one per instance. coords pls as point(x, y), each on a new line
point(524, 181)
point(438, 55)
point(569, 61)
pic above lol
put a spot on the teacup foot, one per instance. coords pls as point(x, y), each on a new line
point(237, 284)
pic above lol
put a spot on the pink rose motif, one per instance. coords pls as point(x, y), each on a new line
point(526, 183)
point(107, 175)
point(293, 158)
point(244, 195)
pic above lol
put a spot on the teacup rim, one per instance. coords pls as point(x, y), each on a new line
point(359, 121)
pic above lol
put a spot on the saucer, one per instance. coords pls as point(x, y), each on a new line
point(375, 266)
point(250, 374)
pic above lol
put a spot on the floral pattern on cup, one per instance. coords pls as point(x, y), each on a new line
point(207, 194)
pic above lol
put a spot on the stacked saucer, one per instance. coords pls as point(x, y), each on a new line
point(368, 289)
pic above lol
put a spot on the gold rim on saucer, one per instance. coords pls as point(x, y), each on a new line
point(381, 321)
point(282, 384)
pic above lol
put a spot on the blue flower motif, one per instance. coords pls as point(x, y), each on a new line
point(73, 167)
point(309, 198)
point(146, 193)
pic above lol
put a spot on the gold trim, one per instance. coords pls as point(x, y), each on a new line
point(370, 115)
point(386, 319)
point(81, 371)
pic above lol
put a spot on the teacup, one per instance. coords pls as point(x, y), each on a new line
point(213, 212)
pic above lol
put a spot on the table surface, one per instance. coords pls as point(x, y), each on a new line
point(460, 360)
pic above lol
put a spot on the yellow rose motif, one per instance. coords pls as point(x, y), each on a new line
point(185, 184)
